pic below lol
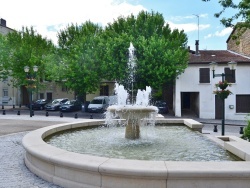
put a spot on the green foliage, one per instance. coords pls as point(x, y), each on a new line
point(80, 54)
point(246, 134)
point(87, 54)
point(26, 48)
point(160, 52)
point(242, 12)
point(4, 71)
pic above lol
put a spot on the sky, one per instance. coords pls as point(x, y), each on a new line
point(48, 17)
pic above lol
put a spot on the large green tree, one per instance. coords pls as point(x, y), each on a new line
point(242, 12)
point(160, 52)
point(79, 47)
point(239, 20)
point(26, 48)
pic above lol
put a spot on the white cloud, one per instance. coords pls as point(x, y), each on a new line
point(193, 16)
point(222, 33)
point(188, 27)
point(59, 13)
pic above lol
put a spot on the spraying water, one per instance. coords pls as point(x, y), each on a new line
point(136, 113)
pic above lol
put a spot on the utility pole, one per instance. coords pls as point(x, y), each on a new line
point(198, 17)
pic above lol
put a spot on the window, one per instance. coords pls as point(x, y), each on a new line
point(41, 95)
point(104, 90)
point(5, 93)
point(229, 75)
point(64, 88)
point(204, 75)
point(242, 103)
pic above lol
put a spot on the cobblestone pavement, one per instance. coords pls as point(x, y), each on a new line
point(14, 173)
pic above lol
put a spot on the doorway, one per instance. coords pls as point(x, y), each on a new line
point(190, 104)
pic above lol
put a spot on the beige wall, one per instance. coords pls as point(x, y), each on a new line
point(243, 47)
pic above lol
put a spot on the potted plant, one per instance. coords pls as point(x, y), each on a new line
point(223, 85)
point(223, 92)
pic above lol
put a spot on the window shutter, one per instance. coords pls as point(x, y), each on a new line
point(204, 75)
point(228, 75)
point(242, 103)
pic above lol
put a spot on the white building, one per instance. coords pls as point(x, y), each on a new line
point(194, 88)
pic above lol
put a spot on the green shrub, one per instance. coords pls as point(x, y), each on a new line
point(246, 134)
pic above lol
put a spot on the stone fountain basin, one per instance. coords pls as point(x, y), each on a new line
point(69, 169)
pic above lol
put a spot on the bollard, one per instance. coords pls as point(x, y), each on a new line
point(47, 114)
point(61, 114)
point(241, 130)
point(76, 116)
point(4, 112)
point(215, 128)
point(18, 112)
point(20, 105)
point(2, 106)
point(91, 116)
point(13, 106)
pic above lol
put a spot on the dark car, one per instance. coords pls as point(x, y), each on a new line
point(39, 104)
point(71, 105)
point(162, 107)
point(55, 104)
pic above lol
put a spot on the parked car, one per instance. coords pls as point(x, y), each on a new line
point(113, 100)
point(99, 104)
point(162, 107)
point(71, 105)
point(39, 104)
point(55, 104)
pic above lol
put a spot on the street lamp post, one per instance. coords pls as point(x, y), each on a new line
point(30, 83)
point(232, 65)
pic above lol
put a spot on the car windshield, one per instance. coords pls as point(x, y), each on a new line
point(97, 101)
point(69, 102)
point(39, 101)
point(55, 101)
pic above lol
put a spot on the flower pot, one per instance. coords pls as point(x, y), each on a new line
point(222, 87)
point(223, 95)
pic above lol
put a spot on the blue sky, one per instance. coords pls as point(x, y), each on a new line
point(50, 16)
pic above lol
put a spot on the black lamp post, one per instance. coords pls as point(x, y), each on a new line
point(232, 65)
point(30, 83)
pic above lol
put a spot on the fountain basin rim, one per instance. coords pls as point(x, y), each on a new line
point(69, 169)
point(132, 108)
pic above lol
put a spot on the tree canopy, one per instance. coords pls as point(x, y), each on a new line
point(81, 56)
point(88, 54)
point(160, 53)
point(26, 48)
point(242, 12)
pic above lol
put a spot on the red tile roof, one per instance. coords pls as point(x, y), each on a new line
point(219, 56)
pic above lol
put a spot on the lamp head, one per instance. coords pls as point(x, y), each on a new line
point(232, 65)
point(26, 69)
point(35, 68)
point(213, 65)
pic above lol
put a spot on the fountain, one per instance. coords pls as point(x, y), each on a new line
point(71, 169)
point(135, 114)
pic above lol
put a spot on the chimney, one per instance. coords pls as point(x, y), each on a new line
point(197, 47)
point(3, 22)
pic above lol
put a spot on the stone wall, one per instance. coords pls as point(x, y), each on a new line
point(244, 43)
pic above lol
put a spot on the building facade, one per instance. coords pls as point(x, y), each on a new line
point(194, 88)
point(239, 45)
point(8, 94)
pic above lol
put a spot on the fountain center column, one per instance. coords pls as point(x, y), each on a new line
point(132, 129)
